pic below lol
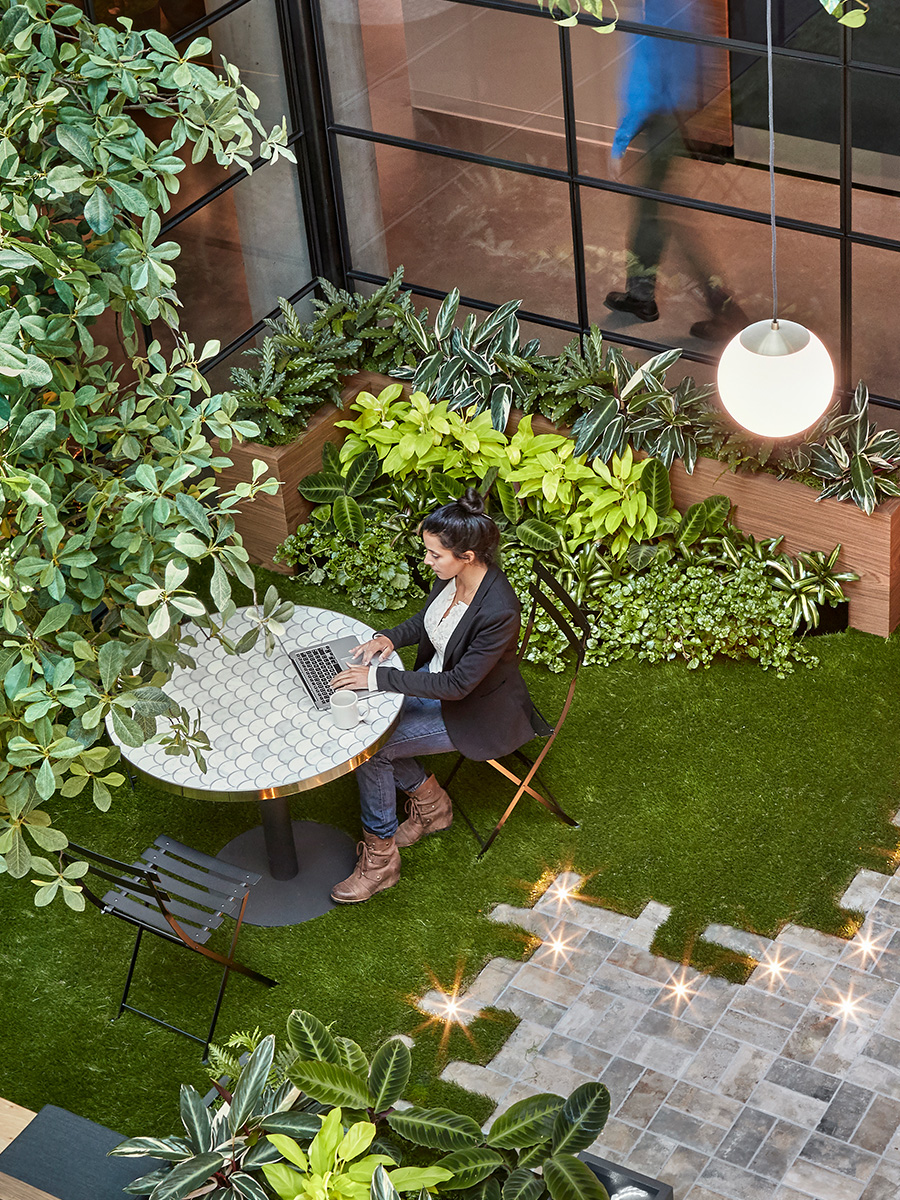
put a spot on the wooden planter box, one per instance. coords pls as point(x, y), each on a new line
point(265, 522)
point(766, 506)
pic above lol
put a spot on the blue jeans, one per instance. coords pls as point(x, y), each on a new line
point(420, 730)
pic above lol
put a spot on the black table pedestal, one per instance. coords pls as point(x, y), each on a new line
point(325, 856)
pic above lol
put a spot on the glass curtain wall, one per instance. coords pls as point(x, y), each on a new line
point(243, 237)
point(484, 147)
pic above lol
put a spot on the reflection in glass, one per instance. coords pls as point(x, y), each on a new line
point(492, 233)
point(808, 273)
point(876, 351)
point(442, 73)
point(240, 253)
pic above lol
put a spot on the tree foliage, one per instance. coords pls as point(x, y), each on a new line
point(107, 478)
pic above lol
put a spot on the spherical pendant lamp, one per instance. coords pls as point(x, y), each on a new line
point(775, 378)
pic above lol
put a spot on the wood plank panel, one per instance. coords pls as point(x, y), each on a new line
point(13, 1119)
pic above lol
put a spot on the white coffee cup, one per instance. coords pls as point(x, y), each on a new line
point(345, 711)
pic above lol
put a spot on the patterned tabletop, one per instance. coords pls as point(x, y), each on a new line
point(266, 737)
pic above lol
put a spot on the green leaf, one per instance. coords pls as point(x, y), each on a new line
point(323, 488)
point(330, 1084)
point(352, 1056)
point(407, 1179)
point(568, 1178)
point(303, 1125)
point(437, 1128)
point(389, 1074)
point(717, 510)
point(74, 139)
point(655, 483)
point(526, 1122)
point(641, 556)
point(693, 524)
point(251, 1083)
point(522, 1184)
point(187, 1176)
point(194, 513)
point(54, 619)
point(506, 494)
point(126, 729)
point(537, 535)
point(348, 518)
point(382, 1188)
point(98, 212)
point(445, 488)
point(862, 478)
point(581, 1118)
point(361, 473)
point(195, 1119)
point(469, 1167)
point(310, 1038)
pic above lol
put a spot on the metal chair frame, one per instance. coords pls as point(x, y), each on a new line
point(547, 594)
point(180, 895)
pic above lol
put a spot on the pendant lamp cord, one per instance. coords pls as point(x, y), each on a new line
point(771, 156)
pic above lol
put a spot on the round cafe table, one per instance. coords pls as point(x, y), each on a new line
point(268, 742)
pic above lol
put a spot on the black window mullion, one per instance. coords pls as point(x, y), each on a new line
point(568, 94)
point(846, 214)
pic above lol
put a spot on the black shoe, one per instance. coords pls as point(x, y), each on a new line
point(727, 321)
point(626, 302)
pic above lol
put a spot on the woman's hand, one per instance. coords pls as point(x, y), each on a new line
point(377, 647)
point(353, 677)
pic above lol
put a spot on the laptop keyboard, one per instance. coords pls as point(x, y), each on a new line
point(317, 667)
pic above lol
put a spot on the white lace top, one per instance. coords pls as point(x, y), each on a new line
point(440, 627)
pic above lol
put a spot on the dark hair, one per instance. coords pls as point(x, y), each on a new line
point(463, 526)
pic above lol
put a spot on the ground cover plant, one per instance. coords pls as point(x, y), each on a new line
point(783, 789)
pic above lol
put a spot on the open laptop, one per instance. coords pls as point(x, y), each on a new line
point(317, 666)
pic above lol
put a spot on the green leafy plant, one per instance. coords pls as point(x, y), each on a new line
point(377, 325)
point(472, 366)
point(107, 477)
point(811, 581)
point(300, 371)
point(336, 1166)
point(848, 12)
point(619, 508)
point(371, 569)
point(855, 460)
point(336, 489)
point(570, 10)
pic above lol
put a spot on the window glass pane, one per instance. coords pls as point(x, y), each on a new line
point(692, 121)
point(876, 153)
point(219, 377)
point(494, 234)
point(876, 351)
point(240, 253)
point(443, 73)
point(699, 259)
point(878, 41)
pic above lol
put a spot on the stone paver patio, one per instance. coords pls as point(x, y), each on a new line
point(785, 1088)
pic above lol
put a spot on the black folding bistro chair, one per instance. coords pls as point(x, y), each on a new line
point(549, 596)
point(179, 894)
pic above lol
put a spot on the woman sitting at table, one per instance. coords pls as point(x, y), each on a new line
point(465, 693)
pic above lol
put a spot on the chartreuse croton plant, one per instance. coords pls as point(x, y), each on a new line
point(107, 478)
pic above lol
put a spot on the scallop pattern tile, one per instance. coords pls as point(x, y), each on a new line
point(263, 728)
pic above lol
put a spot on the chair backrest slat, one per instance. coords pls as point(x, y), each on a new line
point(130, 908)
point(196, 858)
point(219, 889)
point(194, 895)
point(559, 613)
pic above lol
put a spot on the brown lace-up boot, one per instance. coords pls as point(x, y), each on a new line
point(378, 868)
point(430, 810)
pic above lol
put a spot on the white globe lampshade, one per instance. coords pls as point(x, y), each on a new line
point(775, 378)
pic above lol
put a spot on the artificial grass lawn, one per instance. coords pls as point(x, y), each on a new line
point(727, 794)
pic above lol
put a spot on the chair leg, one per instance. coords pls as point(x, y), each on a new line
point(128, 978)
point(225, 974)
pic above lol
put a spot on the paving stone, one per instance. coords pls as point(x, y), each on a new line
point(682, 1169)
point(806, 975)
point(544, 1075)
point(659, 1053)
point(617, 1140)
point(575, 1055)
point(874, 993)
point(609, 977)
point(737, 939)
point(712, 1061)
point(745, 1137)
point(686, 1130)
point(845, 1112)
point(547, 984)
point(843, 1047)
point(489, 984)
point(867, 1072)
point(884, 1049)
point(720, 1110)
point(540, 923)
point(744, 1072)
point(518, 1091)
point(643, 930)
point(809, 1036)
point(602, 920)
point(478, 1079)
point(839, 1156)
point(802, 938)
point(809, 1177)
point(703, 1007)
point(641, 962)
point(525, 1042)
point(880, 1125)
point(800, 1078)
point(601, 1019)
point(698, 1192)
point(864, 890)
point(531, 1008)
point(620, 1077)
point(559, 895)
point(736, 1182)
point(779, 1150)
point(775, 1009)
point(584, 952)
point(650, 1154)
point(789, 1105)
point(752, 1030)
point(890, 1019)
point(645, 1098)
point(881, 1187)
point(886, 912)
point(789, 1193)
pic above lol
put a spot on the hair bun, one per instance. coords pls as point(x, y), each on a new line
point(472, 503)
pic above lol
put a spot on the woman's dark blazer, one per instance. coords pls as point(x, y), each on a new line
point(484, 700)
